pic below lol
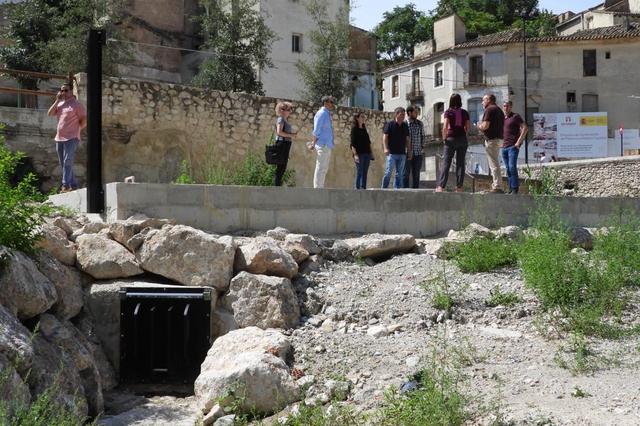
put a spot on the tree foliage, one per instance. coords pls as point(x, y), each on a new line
point(50, 35)
point(404, 27)
point(400, 30)
point(240, 42)
point(326, 72)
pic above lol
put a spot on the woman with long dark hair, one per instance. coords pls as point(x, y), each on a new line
point(361, 149)
point(454, 133)
point(284, 135)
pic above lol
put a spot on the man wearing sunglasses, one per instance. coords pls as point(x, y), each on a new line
point(72, 118)
point(322, 140)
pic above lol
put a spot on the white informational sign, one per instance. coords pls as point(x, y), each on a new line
point(570, 135)
point(630, 140)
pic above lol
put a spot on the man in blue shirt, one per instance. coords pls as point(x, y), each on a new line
point(322, 140)
point(397, 148)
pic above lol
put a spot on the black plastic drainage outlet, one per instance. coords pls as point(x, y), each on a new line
point(164, 333)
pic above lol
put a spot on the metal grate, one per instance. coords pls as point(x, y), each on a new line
point(164, 333)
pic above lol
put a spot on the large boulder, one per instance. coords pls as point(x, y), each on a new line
point(68, 283)
point(263, 255)
point(299, 253)
point(188, 256)
point(53, 371)
point(249, 363)
point(581, 237)
point(379, 245)
point(86, 326)
point(67, 224)
point(24, 291)
point(103, 258)
point(15, 342)
point(123, 231)
point(70, 340)
point(262, 301)
point(306, 241)
point(13, 391)
point(54, 240)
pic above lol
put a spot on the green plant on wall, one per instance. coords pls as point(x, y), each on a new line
point(253, 171)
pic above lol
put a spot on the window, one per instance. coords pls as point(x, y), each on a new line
point(589, 103)
point(476, 73)
point(437, 76)
point(394, 87)
point(571, 102)
point(296, 43)
point(607, 55)
point(589, 63)
point(415, 81)
point(533, 62)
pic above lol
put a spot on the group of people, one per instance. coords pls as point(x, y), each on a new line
point(403, 143)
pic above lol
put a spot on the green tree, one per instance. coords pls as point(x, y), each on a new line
point(50, 35)
point(240, 42)
point(326, 72)
point(400, 30)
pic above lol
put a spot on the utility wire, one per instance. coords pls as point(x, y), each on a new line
point(352, 71)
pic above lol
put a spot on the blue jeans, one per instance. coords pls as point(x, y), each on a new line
point(394, 161)
point(362, 168)
point(510, 159)
point(66, 155)
point(412, 167)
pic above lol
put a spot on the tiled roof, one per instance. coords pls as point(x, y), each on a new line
point(514, 36)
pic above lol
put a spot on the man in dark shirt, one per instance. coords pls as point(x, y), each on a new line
point(397, 148)
point(413, 166)
point(492, 126)
point(515, 130)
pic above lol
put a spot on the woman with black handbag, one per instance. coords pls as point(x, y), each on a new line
point(284, 134)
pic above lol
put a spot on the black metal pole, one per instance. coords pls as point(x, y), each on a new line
point(95, 190)
point(526, 104)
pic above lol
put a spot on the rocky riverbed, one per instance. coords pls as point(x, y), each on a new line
point(303, 319)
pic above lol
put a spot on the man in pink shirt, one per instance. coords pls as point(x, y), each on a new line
point(72, 117)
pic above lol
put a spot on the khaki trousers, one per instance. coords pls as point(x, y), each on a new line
point(493, 155)
point(322, 166)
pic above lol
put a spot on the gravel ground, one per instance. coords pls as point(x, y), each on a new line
point(511, 353)
point(376, 326)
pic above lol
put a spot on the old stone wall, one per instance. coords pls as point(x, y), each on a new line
point(149, 128)
point(608, 177)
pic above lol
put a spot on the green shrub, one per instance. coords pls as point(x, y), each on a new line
point(483, 254)
point(20, 209)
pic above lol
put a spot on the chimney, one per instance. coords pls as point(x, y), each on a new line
point(449, 31)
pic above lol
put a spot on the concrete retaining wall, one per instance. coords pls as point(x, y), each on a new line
point(227, 209)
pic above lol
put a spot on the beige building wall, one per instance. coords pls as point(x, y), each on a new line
point(287, 18)
point(561, 72)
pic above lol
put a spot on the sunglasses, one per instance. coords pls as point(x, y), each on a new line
point(64, 90)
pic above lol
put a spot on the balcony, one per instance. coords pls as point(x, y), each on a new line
point(414, 93)
point(479, 80)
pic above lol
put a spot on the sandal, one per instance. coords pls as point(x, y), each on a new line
point(439, 189)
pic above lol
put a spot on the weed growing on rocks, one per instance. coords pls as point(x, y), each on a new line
point(442, 295)
point(436, 397)
point(44, 411)
point(485, 254)
point(334, 414)
point(499, 298)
